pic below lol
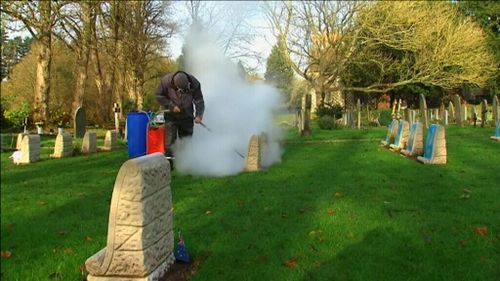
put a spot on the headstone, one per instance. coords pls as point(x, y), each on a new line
point(497, 131)
point(413, 116)
point(415, 145)
point(358, 119)
point(408, 115)
point(458, 109)
point(401, 138)
point(441, 112)
point(393, 112)
point(484, 112)
point(63, 146)
point(253, 159)
point(89, 143)
point(423, 111)
point(140, 239)
point(80, 122)
point(391, 133)
point(30, 149)
point(116, 110)
point(19, 140)
point(110, 140)
point(445, 118)
point(451, 112)
point(435, 146)
point(306, 116)
point(464, 113)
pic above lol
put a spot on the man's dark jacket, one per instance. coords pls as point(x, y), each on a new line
point(167, 96)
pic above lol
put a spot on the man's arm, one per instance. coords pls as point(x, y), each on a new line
point(199, 104)
point(162, 97)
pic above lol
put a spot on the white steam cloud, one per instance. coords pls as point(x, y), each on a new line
point(234, 111)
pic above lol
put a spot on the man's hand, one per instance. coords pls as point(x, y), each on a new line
point(176, 109)
point(197, 120)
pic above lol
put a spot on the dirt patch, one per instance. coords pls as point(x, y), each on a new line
point(180, 271)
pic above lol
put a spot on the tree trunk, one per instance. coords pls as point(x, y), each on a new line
point(44, 59)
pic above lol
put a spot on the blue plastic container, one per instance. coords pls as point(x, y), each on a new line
point(137, 129)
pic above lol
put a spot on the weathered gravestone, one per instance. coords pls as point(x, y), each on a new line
point(140, 240)
point(408, 115)
point(305, 129)
point(391, 133)
point(442, 110)
point(424, 119)
point(89, 143)
point(484, 112)
point(451, 112)
point(253, 159)
point(497, 132)
point(63, 146)
point(435, 146)
point(19, 140)
point(80, 122)
point(110, 140)
point(358, 115)
point(458, 109)
point(401, 137)
point(415, 144)
point(30, 149)
point(445, 120)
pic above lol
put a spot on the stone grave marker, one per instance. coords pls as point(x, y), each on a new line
point(140, 239)
point(441, 112)
point(63, 146)
point(415, 144)
point(451, 112)
point(89, 143)
point(110, 140)
point(423, 111)
point(497, 131)
point(484, 112)
point(19, 140)
point(306, 116)
point(391, 133)
point(445, 118)
point(401, 138)
point(458, 109)
point(435, 146)
point(80, 122)
point(30, 149)
point(253, 159)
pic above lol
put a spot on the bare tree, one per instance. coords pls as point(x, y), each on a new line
point(39, 18)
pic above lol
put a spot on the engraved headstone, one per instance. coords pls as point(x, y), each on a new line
point(253, 159)
point(30, 149)
point(63, 146)
point(415, 144)
point(401, 137)
point(80, 122)
point(435, 146)
point(89, 143)
point(391, 133)
point(140, 239)
point(424, 119)
point(458, 109)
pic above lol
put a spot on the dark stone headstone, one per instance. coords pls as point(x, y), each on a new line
point(80, 123)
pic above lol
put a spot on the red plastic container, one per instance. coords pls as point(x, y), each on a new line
point(155, 140)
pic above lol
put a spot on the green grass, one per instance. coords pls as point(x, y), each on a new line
point(345, 210)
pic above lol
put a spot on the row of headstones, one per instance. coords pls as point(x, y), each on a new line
point(29, 145)
point(140, 239)
point(409, 141)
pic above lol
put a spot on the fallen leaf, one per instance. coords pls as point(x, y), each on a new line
point(338, 194)
point(463, 243)
point(208, 212)
point(68, 251)
point(172, 210)
point(290, 263)
point(331, 212)
point(284, 215)
point(42, 203)
point(63, 232)
point(83, 269)
point(481, 231)
point(6, 254)
point(88, 238)
point(302, 210)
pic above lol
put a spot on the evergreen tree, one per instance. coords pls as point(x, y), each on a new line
point(278, 72)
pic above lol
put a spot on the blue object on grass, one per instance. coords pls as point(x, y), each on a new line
point(137, 128)
point(181, 253)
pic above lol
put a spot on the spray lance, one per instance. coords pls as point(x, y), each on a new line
point(204, 126)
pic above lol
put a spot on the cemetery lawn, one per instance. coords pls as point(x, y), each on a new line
point(338, 207)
